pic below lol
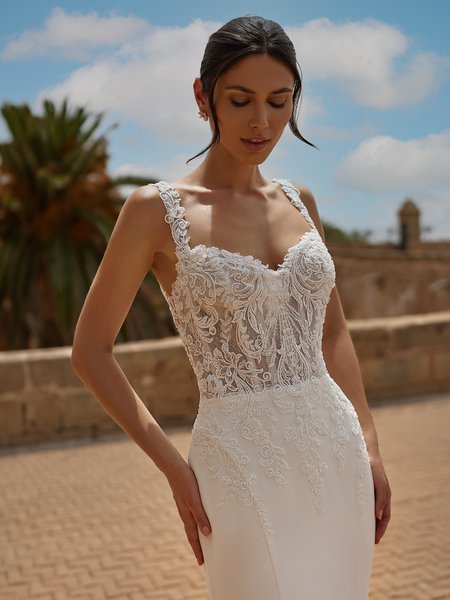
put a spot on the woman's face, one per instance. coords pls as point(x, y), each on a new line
point(253, 100)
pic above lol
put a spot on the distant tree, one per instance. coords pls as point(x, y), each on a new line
point(58, 206)
point(335, 234)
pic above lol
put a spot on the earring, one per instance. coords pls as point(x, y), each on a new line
point(202, 115)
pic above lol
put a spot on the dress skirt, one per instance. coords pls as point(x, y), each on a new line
point(285, 481)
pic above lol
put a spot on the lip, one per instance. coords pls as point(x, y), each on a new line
point(255, 147)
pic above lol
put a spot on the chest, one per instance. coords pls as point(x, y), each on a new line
point(264, 230)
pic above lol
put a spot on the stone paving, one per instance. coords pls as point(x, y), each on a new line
point(96, 520)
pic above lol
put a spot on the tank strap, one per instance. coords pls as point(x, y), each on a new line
point(174, 215)
point(295, 196)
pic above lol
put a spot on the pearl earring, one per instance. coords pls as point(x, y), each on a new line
point(202, 115)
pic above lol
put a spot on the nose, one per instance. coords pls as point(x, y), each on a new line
point(259, 117)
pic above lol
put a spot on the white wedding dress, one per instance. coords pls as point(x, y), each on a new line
point(276, 447)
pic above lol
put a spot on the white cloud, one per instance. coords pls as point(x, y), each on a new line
point(149, 82)
point(383, 163)
point(147, 77)
point(311, 106)
point(333, 132)
point(360, 57)
point(73, 36)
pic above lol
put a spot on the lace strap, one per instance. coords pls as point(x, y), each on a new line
point(174, 215)
point(294, 194)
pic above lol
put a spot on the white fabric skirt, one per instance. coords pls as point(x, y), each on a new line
point(285, 480)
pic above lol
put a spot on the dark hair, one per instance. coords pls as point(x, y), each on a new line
point(241, 37)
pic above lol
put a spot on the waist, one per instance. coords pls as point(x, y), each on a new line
point(304, 400)
point(271, 389)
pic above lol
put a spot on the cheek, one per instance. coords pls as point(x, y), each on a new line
point(230, 120)
point(283, 120)
point(221, 114)
point(286, 113)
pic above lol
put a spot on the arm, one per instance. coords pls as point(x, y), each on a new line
point(137, 235)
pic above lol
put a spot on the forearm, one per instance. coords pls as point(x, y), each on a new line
point(102, 374)
point(343, 366)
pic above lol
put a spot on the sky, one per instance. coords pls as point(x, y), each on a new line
point(376, 93)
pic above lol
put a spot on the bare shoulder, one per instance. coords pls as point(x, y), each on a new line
point(145, 212)
point(146, 201)
point(311, 205)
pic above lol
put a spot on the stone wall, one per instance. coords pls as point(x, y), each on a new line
point(42, 398)
point(383, 280)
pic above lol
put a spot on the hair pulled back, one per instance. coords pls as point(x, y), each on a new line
point(241, 37)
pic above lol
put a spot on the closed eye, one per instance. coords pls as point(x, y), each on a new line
point(234, 103)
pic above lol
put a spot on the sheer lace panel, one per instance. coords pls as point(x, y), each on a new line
point(245, 326)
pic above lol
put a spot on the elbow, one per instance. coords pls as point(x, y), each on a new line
point(76, 358)
point(82, 356)
point(79, 357)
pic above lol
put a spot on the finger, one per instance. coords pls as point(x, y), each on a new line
point(380, 531)
point(380, 501)
point(201, 517)
point(203, 525)
point(381, 527)
point(192, 535)
point(386, 510)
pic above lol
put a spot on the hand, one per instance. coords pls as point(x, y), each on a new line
point(190, 508)
point(382, 497)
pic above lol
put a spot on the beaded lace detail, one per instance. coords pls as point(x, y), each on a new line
point(245, 326)
point(249, 329)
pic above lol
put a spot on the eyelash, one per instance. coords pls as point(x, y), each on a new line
point(234, 103)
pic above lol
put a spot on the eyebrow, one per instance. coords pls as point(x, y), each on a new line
point(247, 91)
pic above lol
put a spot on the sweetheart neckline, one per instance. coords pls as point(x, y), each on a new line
point(279, 268)
point(296, 201)
point(248, 257)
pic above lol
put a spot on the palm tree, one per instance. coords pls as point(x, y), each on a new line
point(58, 206)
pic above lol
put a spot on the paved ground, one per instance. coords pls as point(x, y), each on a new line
point(96, 520)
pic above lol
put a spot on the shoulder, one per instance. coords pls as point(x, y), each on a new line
point(311, 206)
point(144, 212)
point(146, 196)
point(145, 202)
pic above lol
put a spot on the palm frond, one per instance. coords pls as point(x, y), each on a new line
point(58, 207)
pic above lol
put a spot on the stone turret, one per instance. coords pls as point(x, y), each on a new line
point(409, 225)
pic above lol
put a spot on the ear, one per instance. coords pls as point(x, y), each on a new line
point(199, 94)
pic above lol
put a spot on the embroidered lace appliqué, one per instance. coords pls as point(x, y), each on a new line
point(248, 328)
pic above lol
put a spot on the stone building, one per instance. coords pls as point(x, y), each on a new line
point(410, 276)
point(409, 225)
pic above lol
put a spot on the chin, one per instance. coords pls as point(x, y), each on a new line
point(252, 160)
point(256, 159)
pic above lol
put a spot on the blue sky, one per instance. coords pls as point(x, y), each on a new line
point(376, 93)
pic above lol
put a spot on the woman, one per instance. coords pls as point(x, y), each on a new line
point(284, 492)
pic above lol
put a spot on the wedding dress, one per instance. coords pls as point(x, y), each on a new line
point(276, 447)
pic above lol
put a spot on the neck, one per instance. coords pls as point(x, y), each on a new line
point(220, 170)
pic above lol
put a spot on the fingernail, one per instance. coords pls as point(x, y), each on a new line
point(380, 514)
point(205, 530)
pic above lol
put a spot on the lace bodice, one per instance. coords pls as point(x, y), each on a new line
point(244, 325)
